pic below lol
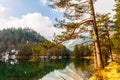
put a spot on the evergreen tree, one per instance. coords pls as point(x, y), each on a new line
point(76, 52)
point(116, 35)
point(103, 21)
point(49, 49)
point(76, 12)
point(81, 51)
point(13, 38)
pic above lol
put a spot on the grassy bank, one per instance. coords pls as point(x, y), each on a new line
point(110, 72)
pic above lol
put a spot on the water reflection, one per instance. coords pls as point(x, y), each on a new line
point(30, 71)
point(79, 69)
point(84, 67)
point(83, 64)
point(45, 69)
point(69, 73)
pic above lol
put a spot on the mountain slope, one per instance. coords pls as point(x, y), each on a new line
point(12, 38)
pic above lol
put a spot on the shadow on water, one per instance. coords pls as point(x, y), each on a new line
point(24, 70)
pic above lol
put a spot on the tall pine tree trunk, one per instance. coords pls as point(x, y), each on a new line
point(95, 57)
point(108, 38)
point(98, 55)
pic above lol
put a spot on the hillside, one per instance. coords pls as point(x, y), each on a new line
point(13, 38)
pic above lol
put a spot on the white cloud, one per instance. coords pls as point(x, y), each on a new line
point(43, 1)
point(36, 21)
point(4, 13)
point(104, 6)
point(58, 10)
point(2, 9)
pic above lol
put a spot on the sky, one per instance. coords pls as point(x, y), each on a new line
point(37, 15)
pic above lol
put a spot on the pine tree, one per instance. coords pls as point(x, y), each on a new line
point(116, 35)
point(76, 12)
point(103, 21)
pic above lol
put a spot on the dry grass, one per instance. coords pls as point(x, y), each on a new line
point(111, 72)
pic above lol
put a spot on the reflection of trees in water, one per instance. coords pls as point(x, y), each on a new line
point(84, 66)
point(30, 71)
point(82, 63)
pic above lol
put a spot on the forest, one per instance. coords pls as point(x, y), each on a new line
point(102, 29)
point(30, 44)
point(80, 21)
